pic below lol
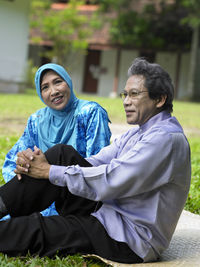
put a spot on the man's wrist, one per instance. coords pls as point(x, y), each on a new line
point(56, 175)
point(47, 171)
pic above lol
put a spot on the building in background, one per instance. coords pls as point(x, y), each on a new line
point(14, 32)
point(103, 70)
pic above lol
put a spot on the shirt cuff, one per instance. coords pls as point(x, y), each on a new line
point(56, 175)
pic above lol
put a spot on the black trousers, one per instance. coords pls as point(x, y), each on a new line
point(73, 231)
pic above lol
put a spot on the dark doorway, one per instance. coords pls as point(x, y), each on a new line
point(92, 69)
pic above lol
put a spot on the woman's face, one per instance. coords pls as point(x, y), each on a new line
point(54, 91)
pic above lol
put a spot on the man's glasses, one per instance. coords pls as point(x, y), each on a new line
point(132, 94)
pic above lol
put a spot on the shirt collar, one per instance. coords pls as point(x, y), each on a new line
point(163, 115)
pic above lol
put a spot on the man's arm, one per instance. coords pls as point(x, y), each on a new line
point(148, 165)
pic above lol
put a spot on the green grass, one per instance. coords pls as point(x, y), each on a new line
point(14, 111)
point(70, 261)
point(18, 107)
point(187, 113)
point(193, 201)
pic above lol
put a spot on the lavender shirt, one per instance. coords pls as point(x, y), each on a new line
point(143, 180)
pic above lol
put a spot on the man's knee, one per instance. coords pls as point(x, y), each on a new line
point(60, 154)
point(65, 155)
point(57, 149)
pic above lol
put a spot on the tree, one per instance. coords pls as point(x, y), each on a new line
point(155, 25)
point(66, 29)
point(193, 19)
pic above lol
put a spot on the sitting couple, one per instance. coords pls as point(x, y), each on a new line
point(123, 203)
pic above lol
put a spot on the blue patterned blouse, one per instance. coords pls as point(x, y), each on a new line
point(90, 134)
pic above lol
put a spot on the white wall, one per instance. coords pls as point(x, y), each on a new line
point(14, 28)
point(106, 80)
point(168, 61)
point(76, 71)
point(183, 77)
point(127, 57)
point(108, 61)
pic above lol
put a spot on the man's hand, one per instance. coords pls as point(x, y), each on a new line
point(33, 163)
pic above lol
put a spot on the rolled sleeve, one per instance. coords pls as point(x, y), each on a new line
point(56, 175)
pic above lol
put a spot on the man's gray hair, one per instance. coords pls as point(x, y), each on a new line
point(157, 80)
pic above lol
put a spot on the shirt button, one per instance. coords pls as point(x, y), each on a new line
point(56, 181)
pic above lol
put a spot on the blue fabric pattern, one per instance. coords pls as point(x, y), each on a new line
point(85, 127)
point(56, 126)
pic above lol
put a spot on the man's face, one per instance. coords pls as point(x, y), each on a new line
point(138, 106)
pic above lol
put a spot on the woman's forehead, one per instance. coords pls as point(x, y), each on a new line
point(47, 74)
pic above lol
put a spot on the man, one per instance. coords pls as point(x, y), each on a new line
point(122, 204)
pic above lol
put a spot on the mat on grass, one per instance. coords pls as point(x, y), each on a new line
point(184, 249)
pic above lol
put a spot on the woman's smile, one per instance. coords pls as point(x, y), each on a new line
point(55, 91)
point(57, 100)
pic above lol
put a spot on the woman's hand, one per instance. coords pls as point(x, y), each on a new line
point(32, 163)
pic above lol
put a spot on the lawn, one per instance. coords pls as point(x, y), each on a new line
point(14, 111)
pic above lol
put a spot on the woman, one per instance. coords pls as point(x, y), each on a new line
point(66, 120)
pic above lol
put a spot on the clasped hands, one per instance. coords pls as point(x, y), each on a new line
point(32, 163)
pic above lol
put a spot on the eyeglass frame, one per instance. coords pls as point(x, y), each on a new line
point(124, 95)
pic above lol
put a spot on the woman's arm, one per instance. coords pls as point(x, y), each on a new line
point(95, 121)
point(27, 140)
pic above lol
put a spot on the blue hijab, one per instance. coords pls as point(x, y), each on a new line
point(56, 126)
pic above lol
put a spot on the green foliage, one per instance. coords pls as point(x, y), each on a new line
point(66, 29)
point(193, 7)
point(131, 29)
point(109, 5)
point(156, 26)
point(30, 74)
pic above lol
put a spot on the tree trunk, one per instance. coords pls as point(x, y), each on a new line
point(193, 63)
